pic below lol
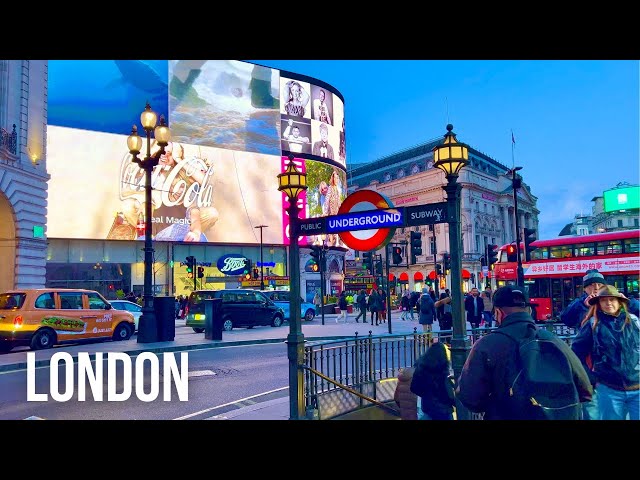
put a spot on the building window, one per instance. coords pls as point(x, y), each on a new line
point(401, 173)
point(433, 245)
point(635, 222)
point(619, 223)
point(477, 207)
point(478, 246)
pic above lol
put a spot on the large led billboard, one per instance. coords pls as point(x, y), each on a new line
point(625, 198)
point(218, 177)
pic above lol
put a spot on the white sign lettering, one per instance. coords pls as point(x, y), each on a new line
point(231, 264)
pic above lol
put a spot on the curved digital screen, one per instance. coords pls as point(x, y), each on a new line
point(218, 178)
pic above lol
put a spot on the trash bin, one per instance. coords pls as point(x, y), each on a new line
point(165, 309)
point(213, 319)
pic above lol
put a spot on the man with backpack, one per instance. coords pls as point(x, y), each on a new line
point(520, 372)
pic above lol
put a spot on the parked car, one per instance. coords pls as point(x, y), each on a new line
point(131, 307)
point(282, 298)
point(44, 317)
point(240, 308)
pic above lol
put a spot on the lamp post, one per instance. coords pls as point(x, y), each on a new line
point(451, 157)
point(292, 182)
point(261, 227)
point(147, 328)
point(516, 182)
point(323, 265)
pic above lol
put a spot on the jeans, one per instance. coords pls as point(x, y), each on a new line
point(488, 319)
point(618, 404)
point(590, 409)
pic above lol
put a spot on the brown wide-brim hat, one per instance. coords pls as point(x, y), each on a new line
point(608, 291)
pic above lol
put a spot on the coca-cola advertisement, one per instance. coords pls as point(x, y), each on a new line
point(200, 194)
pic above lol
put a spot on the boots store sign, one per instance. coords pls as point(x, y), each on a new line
point(232, 264)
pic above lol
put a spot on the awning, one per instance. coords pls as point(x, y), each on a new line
point(418, 277)
point(432, 275)
point(404, 277)
point(392, 277)
point(465, 274)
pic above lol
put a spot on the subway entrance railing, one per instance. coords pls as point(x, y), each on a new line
point(342, 376)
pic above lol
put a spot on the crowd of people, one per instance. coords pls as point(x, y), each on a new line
point(596, 377)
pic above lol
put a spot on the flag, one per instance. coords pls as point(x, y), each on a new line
point(513, 139)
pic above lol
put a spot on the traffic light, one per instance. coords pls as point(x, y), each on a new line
point(416, 245)
point(190, 261)
point(367, 261)
point(397, 255)
point(512, 254)
point(316, 253)
point(200, 272)
point(438, 269)
point(379, 267)
point(247, 276)
point(447, 261)
point(529, 237)
point(492, 255)
point(256, 272)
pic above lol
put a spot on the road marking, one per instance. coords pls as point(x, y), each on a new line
point(230, 403)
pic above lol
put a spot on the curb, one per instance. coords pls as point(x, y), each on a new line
point(175, 348)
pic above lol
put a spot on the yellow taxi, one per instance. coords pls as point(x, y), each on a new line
point(44, 317)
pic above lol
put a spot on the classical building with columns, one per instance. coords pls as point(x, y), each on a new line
point(23, 173)
point(409, 178)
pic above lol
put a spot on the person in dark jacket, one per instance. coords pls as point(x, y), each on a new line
point(575, 312)
point(375, 305)
point(362, 303)
point(413, 302)
point(610, 336)
point(405, 304)
point(474, 305)
point(427, 310)
point(491, 364)
point(342, 305)
point(433, 383)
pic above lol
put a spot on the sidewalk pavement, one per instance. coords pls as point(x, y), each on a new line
point(186, 339)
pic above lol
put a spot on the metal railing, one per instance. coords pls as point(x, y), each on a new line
point(9, 140)
point(345, 375)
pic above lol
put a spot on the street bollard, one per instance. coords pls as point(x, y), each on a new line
point(213, 319)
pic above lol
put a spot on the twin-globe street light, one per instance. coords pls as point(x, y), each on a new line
point(147, 328)
point(451, 156)
point(292, 182)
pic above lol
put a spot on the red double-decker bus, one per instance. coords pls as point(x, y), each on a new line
point(554, 273)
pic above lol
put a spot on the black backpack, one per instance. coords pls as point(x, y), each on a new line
point(543, 387)
point(424, 303)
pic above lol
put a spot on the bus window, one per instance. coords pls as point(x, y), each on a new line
point(538, 288)
point(585, 250)
point(631, 246)
point(563, 251)
point(556, 296)
point(609, 248)
point(541, 253)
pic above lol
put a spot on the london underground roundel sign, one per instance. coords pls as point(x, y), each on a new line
point(365, 240)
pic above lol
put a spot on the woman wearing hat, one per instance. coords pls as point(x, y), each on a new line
point(610, 335)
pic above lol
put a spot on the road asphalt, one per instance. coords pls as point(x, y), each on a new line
point(186, 339)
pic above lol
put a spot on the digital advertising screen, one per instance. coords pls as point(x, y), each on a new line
point(233, 125)
point(626, 198)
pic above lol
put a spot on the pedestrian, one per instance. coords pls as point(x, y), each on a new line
point(432, 382)
point(383, 305)
point(362, 306)
point(427, 311)
point(572, 316)
point(405, 304)
point(610, 337)
point(474, 306)
point(342, 304)
point(373, 303)
point(413, 304)
point(406, 400)
point(494, 363)
point(446, 318)
point(487, 313)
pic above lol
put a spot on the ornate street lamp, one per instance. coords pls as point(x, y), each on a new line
point(147, 327)
point(450, 157)
point(292, 182)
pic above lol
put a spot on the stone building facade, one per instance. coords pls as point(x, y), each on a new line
point(23, 173)
point(409, 178)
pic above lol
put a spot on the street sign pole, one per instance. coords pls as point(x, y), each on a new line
point(388, 288)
